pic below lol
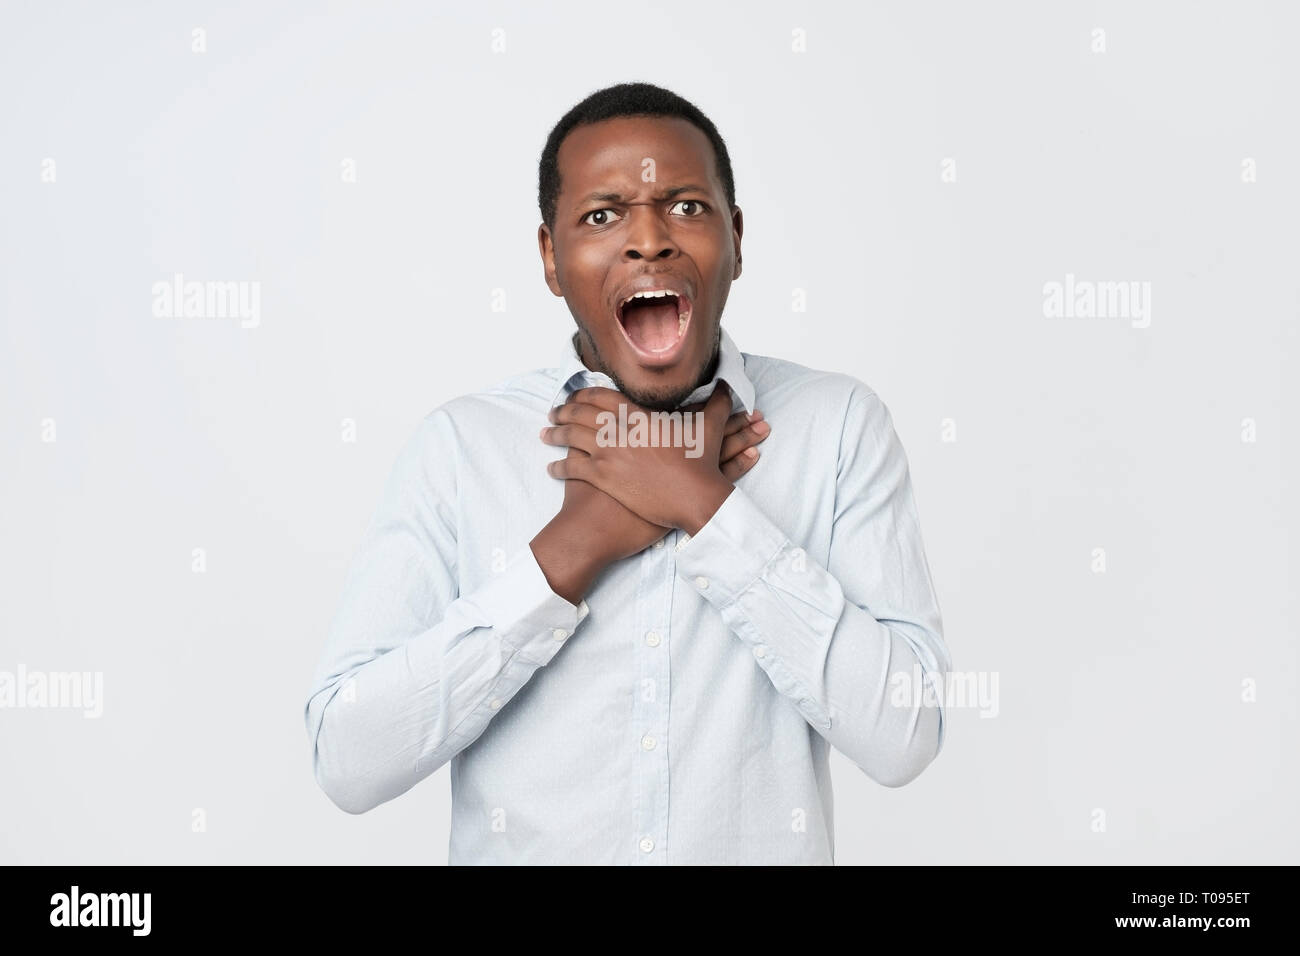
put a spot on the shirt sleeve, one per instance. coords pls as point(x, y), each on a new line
point(857, 645)
point(412, 672)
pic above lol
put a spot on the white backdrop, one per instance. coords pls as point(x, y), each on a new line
point(921, 172)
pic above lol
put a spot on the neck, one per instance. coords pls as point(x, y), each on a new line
point(586, 352)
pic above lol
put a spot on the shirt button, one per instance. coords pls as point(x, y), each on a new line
point(647, 844)
point(647, 742)
point(496, 703)
point(760, 651)
point(652, 638)
point(559, 633)
point(701, 583)
point(658, 544)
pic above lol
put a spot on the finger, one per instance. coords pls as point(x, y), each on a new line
point(601, 397)
point(733, 468)
point(576, 412)
point(739, 420)
point(572, 467)
point(718, 407)
point(735, 423)
point(573, 435)
point(747, 437)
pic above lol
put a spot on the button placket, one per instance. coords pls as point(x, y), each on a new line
point(648, 731)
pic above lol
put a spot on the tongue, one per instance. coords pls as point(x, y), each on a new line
point(652, 327)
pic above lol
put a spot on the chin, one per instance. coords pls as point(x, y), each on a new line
point(662, 398)
point(666, 388)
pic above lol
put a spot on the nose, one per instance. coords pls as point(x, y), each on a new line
point(648, 236)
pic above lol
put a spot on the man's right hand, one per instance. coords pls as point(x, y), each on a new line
point(592, 530)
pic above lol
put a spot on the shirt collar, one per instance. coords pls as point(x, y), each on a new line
point(574, 375)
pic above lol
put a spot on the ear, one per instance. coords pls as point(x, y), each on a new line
point(547, 250)
point(737, 228)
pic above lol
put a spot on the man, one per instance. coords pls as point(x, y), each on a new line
point(634, 651)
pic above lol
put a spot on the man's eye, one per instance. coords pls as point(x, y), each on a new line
point(599, 212)
point(692, 202)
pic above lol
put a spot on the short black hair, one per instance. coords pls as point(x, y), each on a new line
point(625, 99)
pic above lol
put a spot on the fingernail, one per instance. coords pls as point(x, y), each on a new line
point(755, 415)
point(762, 428)
point(751, 453)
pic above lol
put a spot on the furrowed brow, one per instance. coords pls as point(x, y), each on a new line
point(620, 198)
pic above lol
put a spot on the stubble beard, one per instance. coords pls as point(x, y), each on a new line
point(661, 400)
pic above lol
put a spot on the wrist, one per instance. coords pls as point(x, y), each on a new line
point(702, 504)
point(569, 558)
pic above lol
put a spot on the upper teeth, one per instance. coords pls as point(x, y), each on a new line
point(655, 294)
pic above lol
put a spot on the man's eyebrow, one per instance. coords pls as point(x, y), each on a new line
point(620, 198)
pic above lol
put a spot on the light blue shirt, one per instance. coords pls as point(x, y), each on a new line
point(683, 712)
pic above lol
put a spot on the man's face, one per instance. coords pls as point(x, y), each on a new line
point(641, 208)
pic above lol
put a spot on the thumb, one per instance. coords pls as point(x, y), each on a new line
point(718, 407)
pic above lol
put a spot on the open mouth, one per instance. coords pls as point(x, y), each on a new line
point(655, 323)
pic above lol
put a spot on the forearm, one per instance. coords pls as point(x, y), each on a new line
point(859, 681)
point(839, 664)
point(388, 710)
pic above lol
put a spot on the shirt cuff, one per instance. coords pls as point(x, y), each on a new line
point(526, 614)
point(731, 550)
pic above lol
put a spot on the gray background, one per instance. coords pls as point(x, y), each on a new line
point(1120, 691)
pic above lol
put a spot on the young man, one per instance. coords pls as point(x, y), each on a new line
point(638, 651)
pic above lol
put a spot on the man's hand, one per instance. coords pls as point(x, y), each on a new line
point(663, 484)
point(739, 441)
point(593, 529)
